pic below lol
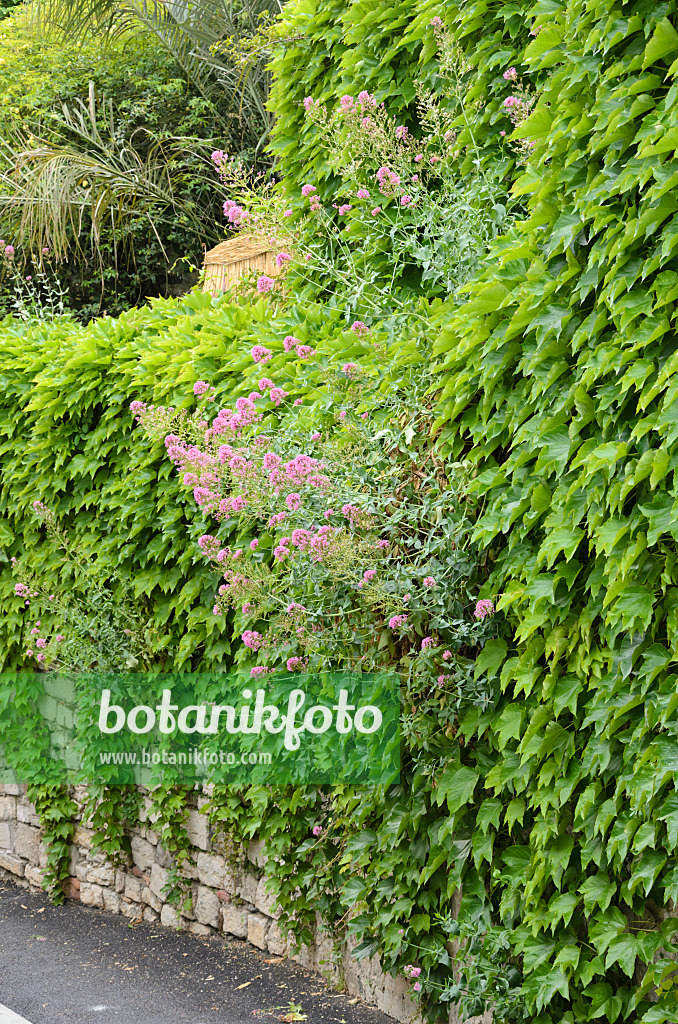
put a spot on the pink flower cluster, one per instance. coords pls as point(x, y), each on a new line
point(398, 622)
point(265, 284)
point(306, 190)
point(260, 670)
point(359, 328)
point(411, 972)
point(261, 354)
point(317, 830)
point(283, 257)
point(511, 75)
point(252, 639)
point(427, 642)
point(483, 608)
point(234, 213)
point(388, 181)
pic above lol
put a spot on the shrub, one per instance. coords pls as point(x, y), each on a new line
point(149, 93)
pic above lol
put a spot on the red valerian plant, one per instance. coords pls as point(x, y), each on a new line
point(352, 542)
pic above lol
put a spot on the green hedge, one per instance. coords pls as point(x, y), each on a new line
point(66, 438)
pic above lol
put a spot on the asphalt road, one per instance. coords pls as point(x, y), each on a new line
point(75, 965)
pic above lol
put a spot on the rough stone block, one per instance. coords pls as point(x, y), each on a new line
point(169, 917)
point(27, 842)
point(190, 870)
point(83, 837)
point(163, 857)
point(211, 870)
point(120, 879)
point(256, 852)
point(12, 789)
point(82, 869)
point(158, 880)
point(247, 887)
point(197, 828)
point(6, 835)
point(35, 876)
point(151, 899)
point(150, 915)
point(111, 901)
point(234, 921)
point(101, 876)
point(207, 907)
point(91, 895)
point(7, 808)
point(26, 812)
point(133, 888)
point(143, 853)
point(257, 928)
point(264, 901)
point(195, 928)
point(131, 910)
point(277, 945)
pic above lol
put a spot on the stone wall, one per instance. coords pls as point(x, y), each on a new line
point(227, 899)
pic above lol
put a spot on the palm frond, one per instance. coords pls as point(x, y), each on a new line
point(50, 188)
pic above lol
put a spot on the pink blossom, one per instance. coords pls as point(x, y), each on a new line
point(364, 415)
point(436, 22)
point(261, 354)
point(41, 642)
point(304, 351)
point(298, 401)
point(234, 213)
point(306, 190)
point(369, 575)
point(401, 131)
point(435, 159)
point(359, 327)
point(34, 631)
point(289, 342)
point(426, 643)
point(328, 513)
point(375, 211)
point(282, 257)
point(483, 608)
point(280, 552)
point(59, 637)
point(294, 663)
point(411, 972)
point(511, 101)
point(308, 103)
point(511, 75)
point(287, 213)
point(40, 657)
point(315, 436)
point(264, 384)
point(252, 639)
point(342, 414)
point(346, 102)
point(9, 251)
point(200, 387)
point(264, 284)
point(254, 544)
point(388, 181)
point(29, 652)
point(383, 544)
point(429, 581)
point(259, 670)
point(317, 830)
point(418, 158)
point(366, 99)
point(293, 501)
point(447, 655)
point(277, 395)
point(397, 622)
point(417, 986)
point(502, 133)
point(362, 193)
point(405, 200)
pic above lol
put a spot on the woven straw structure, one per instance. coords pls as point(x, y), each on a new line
point(229, 260)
